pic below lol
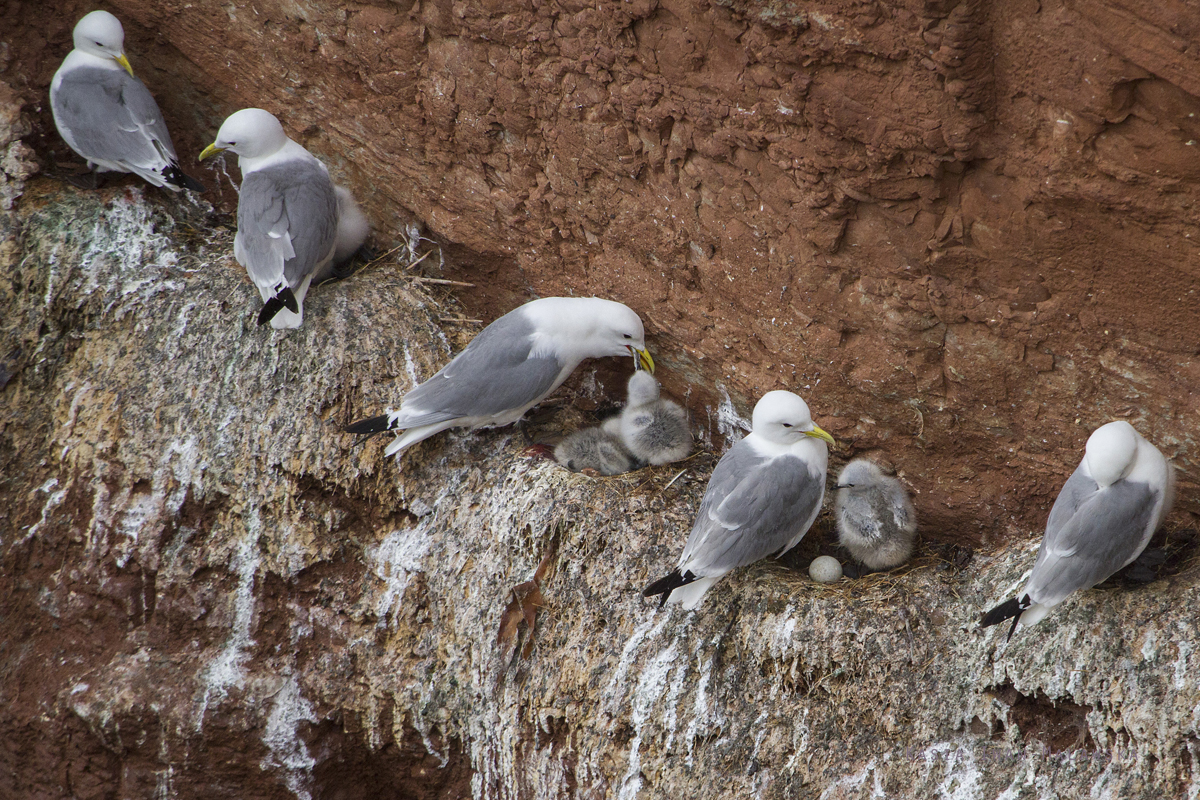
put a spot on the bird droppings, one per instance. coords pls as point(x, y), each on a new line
point(275, 529)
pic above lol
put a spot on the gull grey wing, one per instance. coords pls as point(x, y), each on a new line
point(287, 221)
point(112, 116)
point(493, 374)
point(1078, 488)
point(1107, 532)
point(758, 517)
point(734, 466)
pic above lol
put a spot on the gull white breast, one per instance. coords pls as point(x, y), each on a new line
point(762, 497)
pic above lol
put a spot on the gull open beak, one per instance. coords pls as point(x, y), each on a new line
point(124, 62)
point(210, 151)
point(642, 359)
point(817, 433)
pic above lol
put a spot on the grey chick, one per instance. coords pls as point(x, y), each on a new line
point(654, 430)
point(593, 448)
point(875, 518)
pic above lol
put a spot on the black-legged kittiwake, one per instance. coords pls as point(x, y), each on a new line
point(107, 115)
point(761, 499)
point(594, 449)
point(289, 226)
point(875, 519)
point(1102, 520)
point(511, 366)
point(654, 430)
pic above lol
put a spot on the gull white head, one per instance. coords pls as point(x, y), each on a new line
point(643, 389)
point(783, 418)
point(859, 474)
point(251, 133)
point(100, 34)
point(1111, 451)
point(589, 327)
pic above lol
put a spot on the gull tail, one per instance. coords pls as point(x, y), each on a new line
point(371, 425)
point(1009, 609)
point(175, 179)
point(668, 584)
point(284, 299)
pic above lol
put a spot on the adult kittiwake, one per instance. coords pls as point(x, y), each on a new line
point(1102, 520)
point(654, 430)
point(875, 519)
point(761, 499)
point(511, 366)
point(291, 222)
point(107, 115)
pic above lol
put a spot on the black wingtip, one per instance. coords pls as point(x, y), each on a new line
point(370, 425)
point(1009, 609)
point(666, 585)
point(284, 299)
point(174, 176)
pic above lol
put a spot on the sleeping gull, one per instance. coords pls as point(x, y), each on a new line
point(875, 518)
point(654, 430)
point(107, 115)
point(289, 225)
point(594, 449)
point(1102, 520)
point(511, 366)
point(761, 499)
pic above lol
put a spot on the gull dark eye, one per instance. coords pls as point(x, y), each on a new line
point(626, 335)
point(786, 424)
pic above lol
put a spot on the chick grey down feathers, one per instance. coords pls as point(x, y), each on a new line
point(875, 519)
point(595, 449)
point(654, 430)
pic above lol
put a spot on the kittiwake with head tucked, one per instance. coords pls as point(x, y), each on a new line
point(1101, 522)
point(107, 115)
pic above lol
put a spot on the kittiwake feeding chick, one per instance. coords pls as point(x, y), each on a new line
point(594, 449)
point(654, 430)
point(107, 115)
point(290, 217)
point(875, 519)
point(511, 366)
point(1102, 520)
point(762, 498)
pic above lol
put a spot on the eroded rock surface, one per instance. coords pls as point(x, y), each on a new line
point(964, 232)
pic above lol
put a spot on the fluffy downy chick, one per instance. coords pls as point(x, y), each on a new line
point(593, 448)
point(654, 430)
point(875, 518)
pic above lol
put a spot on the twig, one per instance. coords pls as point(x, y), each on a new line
point(462, 320)
point(439, 281)
point(677, 477)
point(424, 256)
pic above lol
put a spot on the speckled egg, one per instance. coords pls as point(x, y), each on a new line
point(825, 569)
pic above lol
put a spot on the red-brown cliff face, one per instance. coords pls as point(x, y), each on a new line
point(964, 232)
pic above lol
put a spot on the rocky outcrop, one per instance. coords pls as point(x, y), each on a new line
point(964, 263)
